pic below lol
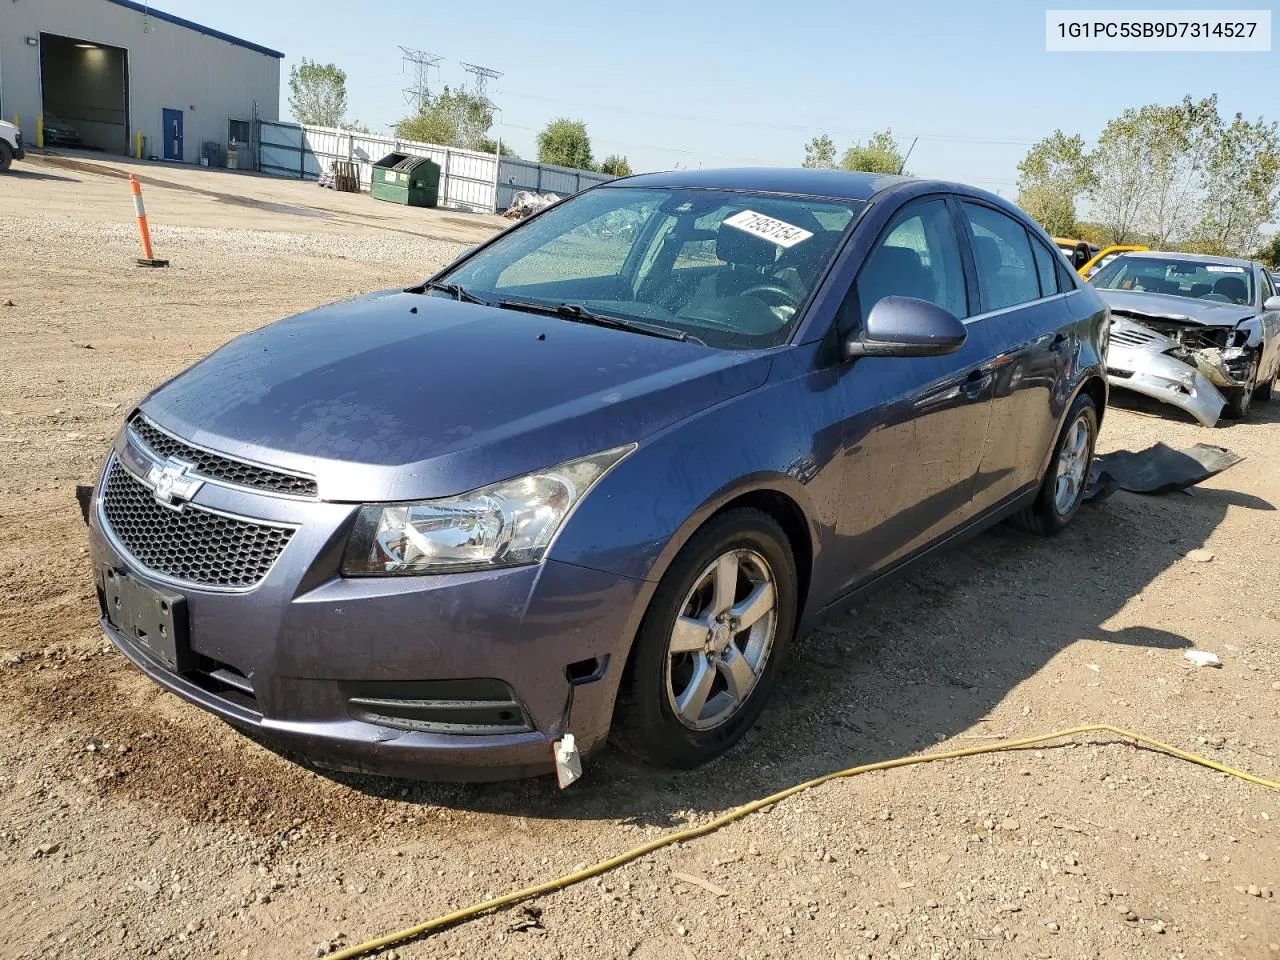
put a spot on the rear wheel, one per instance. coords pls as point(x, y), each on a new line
point(6, 156)
point(1062, 490)
point(708, 652)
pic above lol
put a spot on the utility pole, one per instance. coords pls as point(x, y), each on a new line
point(419, 94)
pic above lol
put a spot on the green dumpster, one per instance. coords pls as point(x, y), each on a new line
point(404, 178)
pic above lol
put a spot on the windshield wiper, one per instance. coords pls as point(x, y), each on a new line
point(455, 290)
point(579, 314)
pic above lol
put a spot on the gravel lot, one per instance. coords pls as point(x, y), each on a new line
point(133, 825)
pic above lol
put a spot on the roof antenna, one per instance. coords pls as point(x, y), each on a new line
point(903, 165)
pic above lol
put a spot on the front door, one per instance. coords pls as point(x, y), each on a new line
point(915, 426)
point(172, 134)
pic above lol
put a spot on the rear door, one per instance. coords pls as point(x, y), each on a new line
point(1020, 284)
point(915, 426)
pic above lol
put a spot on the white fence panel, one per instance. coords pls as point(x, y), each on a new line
point(467, 178)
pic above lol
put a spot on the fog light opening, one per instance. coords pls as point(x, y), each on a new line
point(586, 671)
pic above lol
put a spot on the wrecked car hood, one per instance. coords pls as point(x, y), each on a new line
point(1163, 306)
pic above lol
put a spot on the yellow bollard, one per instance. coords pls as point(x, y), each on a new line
point(17, 121)
point(40, 132)
point(137, 144)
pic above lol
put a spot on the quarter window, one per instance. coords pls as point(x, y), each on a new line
point(1047, 268)
point(917, 257)
point(1002, 253)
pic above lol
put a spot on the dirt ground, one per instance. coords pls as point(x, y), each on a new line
point(134, 825)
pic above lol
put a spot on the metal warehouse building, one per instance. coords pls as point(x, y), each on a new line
point(117, 69)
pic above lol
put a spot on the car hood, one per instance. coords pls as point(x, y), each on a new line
point(1162, 306)
point(396, 396)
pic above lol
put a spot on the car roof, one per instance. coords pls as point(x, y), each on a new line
point(1189, 257)
point(835, 184)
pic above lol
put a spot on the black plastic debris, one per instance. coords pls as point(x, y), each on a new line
point(1156, 470)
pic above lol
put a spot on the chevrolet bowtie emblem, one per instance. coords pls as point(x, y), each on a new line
point(171, 485)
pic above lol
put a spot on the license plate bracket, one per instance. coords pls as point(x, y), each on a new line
point(155, 620)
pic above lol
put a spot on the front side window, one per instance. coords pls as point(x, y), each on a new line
point(1002, 254)
point(1178, 277)
point(732, 268)
point(918, 256)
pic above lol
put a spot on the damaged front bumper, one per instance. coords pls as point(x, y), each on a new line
point(1137, 360)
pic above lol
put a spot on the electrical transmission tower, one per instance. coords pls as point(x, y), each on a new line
point(420, 93)
point(483, 75)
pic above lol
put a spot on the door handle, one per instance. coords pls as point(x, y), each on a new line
point(975, 383)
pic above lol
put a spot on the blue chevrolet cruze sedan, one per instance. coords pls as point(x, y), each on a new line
point(594, 476)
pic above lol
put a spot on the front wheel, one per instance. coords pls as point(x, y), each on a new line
point(1062, 490)
point(1239, 400)
point(709, 649)
point(6, 156)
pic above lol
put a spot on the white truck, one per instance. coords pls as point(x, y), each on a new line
point(10, 145)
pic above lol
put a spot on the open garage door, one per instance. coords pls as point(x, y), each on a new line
point(85, 91)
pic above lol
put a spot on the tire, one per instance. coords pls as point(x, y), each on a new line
point(1050, 515)
point(6, 156)
point(1266, 390)
point(648, 720)
point(1239, 401)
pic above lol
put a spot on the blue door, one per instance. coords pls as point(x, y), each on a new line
point(916, 426)
point(172, 134)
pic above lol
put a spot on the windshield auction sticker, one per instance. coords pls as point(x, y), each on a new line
point(1158, 31)
point(766, 228)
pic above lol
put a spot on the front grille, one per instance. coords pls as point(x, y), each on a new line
point(214, 466)
point(1133, 337)
point(190, 544)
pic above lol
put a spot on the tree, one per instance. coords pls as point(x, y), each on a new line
point(1242, 182)
point(1120, 190)
point(1269, 253)
point(1052, 208)
point(1177, 141)
point(1055, 172)
point(565, 143)
point(616, 166)
point(452, 118)
point(318, 93)
point(880, 154)
point(820, 152)
point(489, 145)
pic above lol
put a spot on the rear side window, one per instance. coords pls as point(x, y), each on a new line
point(1047, 267)
point(1268, 291)
point(1002, 252)
point(918, 257)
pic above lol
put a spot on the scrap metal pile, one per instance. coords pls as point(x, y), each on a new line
point(526, 202)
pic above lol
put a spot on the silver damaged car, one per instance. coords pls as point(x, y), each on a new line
point(1199, 332)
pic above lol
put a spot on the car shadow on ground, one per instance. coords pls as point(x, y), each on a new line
point(20, 174)
point(925, 660)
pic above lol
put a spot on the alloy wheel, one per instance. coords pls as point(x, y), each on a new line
point(721, 640)
point(1073, 466)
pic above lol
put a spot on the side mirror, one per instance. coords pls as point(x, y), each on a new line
point(1273, 303)
point(906, 327)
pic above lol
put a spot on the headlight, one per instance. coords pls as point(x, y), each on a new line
point(503, 525)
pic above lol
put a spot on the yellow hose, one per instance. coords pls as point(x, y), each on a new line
point(604, 866)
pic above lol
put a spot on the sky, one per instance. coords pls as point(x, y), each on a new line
point(714, 83)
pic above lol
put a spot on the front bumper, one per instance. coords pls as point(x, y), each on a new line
point(1164, 378)
point(19, 153)
point(287, 660)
